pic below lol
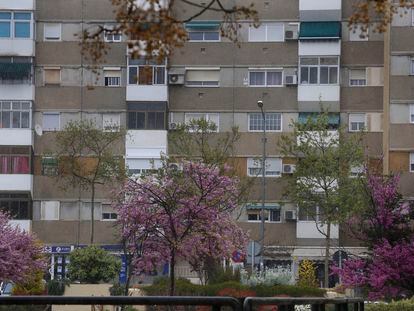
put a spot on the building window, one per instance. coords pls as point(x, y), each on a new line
point(412, 162)
point(52, 75)
point(319, 70)
point(210, 117)
point(357, 122)
point(203, 35)
point(357, 77)
point(310, 214)
point(15, 160)
point(49, 210)
point(266, 78)
point(15, 24)
point(145, 74)
point(203, 77)
point(146, 120)
point(274, 215)
point(15, 114)
point(110, 36)
point(112, 76)
point(111, 122)
point(273, 167)
point(412, 113)
point(18, 205)
point(49, 166)
point(51, 121)
point(273, 122)
point(52, 32)
point(138, 167)
point(16, 70)
point(108, 213)
point(267, 32)
point(86, 207)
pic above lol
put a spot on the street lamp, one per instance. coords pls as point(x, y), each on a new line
point(262, 212)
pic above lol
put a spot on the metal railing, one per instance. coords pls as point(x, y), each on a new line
point(316, 304)
point(249, 304)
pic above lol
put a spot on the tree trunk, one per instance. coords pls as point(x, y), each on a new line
point(93, 214)
point(327, 248)
point(172, 273)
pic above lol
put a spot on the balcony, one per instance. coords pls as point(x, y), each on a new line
point(315, 48)
point(147, 93)
point(146, 143)
point(17, 47)
point(318, 93)
point(308, 230)
point(16, 182)
point(17, 91)
point(16, 137)
point(17, 5)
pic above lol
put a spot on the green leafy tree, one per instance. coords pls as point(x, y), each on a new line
point(87, 158)
point(93, 265)
point(321, 184)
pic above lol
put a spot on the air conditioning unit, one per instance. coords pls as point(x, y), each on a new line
point(291, 35)
point(288, 168)
point(175, 79)
point(290, 215)
point(291, 80)
point(172, 126)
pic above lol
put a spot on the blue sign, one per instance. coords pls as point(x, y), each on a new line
point(123, 272)
point(62, 249)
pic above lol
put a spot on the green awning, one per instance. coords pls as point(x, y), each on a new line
point(320, 30)
point(268, 206)
point(202, 25)
point(15, 71)
point(333, 118)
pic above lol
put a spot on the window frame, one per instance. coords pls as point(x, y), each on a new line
point(52, 68)
point(117, 124)
point(206, 116)
point(350, 122)
point(258, 167)
point(54, 169)
point(11, 110)
point(153, 68)
point(358, 85)
point(411, 113)
point(51, 130)
point(204, 35)
point(10, 154)
point(261, 117)
point(146, 112)
point(206, 84)
point(266, 24)
point(53, 39)
point(319, 66)
point(12, 24)
point(411, 167)
point(9, 198)
point(266, 72)
point(317, 218)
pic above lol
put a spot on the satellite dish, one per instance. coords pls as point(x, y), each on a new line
point(38, 130)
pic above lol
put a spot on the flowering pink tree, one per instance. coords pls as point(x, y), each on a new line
point(384, 227)
point(180, 214)
point(20, 253)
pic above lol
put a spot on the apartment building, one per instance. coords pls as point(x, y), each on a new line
point(302, 56)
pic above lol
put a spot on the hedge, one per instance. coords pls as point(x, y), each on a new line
point(235, 289)
point(402, 305)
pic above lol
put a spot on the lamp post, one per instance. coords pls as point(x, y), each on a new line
point(262, 212)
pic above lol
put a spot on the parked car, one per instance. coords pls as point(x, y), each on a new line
point(6, 288)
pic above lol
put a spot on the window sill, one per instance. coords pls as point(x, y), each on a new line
point(267, 131)
point(266, 86)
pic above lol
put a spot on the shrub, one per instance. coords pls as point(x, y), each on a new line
point(56, 287)
point(222, 275)
point(402, 305)
point(271, 276)
point(32, 285)
point(93, 265)
point(307, 274)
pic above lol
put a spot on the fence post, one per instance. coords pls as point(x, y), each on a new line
point(215, 308)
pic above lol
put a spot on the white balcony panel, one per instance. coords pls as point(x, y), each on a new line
point(25, 225)
point(321, 48)
point(16, 137)
point(17, 5)
point(146, 143)
point(308, 230)
point(147, 93)
point(317, 93)
point(17, 47)
point(17, 91)
point(318, 5)
point(16, 182)
point(330, 138)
